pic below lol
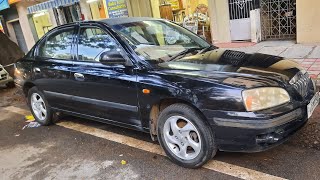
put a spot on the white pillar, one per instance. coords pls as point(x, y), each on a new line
point(24, 23)
point(155, 8)
point(219, 20)
point(255, 25)
point(85, 9)
point(52, 18)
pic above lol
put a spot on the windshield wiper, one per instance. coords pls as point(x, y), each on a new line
point(184, 52)
point(207, 48)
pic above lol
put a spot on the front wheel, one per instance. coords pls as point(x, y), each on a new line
point(185, 136)
point(39, 107)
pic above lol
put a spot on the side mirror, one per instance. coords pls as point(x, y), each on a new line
point(112, 57)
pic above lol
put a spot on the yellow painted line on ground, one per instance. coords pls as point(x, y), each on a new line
point(129, 141)
point(18, 110)
point(218, 166)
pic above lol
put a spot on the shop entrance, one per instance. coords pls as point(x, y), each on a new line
point(42, 23)
point(278, 19)
point(68, 14)
point(240, 22)
point(71, 13)
point(19, 36)
point(191, 14)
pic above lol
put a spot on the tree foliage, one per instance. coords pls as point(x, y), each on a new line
point(9, 52)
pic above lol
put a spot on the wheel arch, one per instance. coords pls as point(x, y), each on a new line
point(159, 106)
point(26, 87)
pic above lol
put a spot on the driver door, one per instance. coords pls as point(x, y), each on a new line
point(104, 91)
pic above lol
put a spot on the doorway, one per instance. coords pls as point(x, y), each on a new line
point(68, 14)
point(278, 19)
point(240, 22)
point(71, 13)
point(19, 36)
point(191, 14)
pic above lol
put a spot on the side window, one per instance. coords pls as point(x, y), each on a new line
point(92, 42)
point(58, 45)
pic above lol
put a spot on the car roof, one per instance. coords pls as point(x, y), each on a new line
point(111, 21)
point(124, 20)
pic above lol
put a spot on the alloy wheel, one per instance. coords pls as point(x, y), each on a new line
point(38, 106)
point(182, 137)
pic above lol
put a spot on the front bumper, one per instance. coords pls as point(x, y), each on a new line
point(4, 77)
point(253, 134)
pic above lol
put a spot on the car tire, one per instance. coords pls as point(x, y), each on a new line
point(10, 84)
point(191, 142)
point(39, 107)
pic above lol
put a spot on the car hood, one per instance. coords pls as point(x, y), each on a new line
point(235, 68)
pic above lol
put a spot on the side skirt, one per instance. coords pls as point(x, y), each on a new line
point(102, 120)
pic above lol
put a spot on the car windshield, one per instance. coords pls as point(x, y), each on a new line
point(158, 40)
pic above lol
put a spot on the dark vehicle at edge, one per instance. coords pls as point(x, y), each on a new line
point(157, 77)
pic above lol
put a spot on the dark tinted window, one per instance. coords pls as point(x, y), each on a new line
point(58, 45)
point(92, 42)
point(30, 53)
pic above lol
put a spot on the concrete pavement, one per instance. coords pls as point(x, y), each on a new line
point(76, 148)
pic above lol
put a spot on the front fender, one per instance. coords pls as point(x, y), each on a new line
point(200, 94)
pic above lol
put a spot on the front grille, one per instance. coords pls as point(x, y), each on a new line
point(301, 84)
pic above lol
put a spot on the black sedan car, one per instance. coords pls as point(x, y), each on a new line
point(154, 76)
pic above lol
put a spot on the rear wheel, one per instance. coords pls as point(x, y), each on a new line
point(185, 136)
point(39, 107)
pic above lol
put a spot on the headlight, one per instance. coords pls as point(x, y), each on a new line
point(264, 98)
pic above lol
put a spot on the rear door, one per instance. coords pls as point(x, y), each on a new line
point(53, 62)
point(105, 91)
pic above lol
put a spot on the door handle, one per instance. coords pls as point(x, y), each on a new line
point(79, 76)
point(36, 70)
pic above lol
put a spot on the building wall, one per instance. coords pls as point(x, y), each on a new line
point(94, 10)
point(42, 23)
point(139, 8)
point(155, 8)
point(220, 20)
point(308, 27)
point(24, 22)
point(85, 10)
point(10, 15)
point(11, 33)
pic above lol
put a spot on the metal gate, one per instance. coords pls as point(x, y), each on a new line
point(278, 19)
point(240, 24)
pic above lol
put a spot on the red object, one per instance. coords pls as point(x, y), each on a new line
point(234, 44)
point(82, 17)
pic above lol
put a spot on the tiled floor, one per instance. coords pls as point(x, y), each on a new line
point(311, 65)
